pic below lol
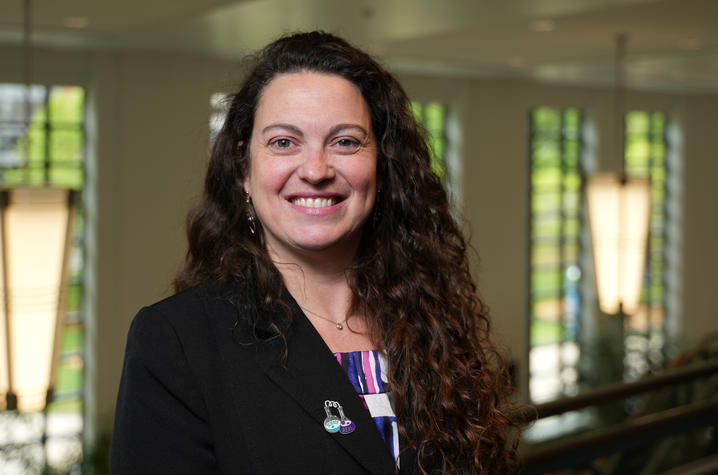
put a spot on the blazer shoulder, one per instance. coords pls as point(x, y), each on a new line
point(192, 312)
point(208, 298)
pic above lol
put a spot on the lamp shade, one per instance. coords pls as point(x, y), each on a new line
point(35, 227)
point(619, 218)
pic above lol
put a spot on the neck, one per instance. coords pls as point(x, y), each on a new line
point(317, 281)
point(325, 293)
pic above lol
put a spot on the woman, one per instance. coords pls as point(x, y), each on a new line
point(325, 320)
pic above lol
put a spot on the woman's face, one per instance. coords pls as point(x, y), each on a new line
point(312, 175)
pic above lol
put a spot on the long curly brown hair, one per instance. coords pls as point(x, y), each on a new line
point(410, 276)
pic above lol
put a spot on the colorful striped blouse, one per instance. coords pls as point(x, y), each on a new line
point(367, 372)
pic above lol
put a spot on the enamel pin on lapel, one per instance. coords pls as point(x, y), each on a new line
point(340, 424)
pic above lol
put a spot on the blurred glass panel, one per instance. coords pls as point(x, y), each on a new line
point(13, 103)
point(219, 106)
point(546, 120)
point(645, 157)
point(432, 117)
point(67, 177)
point(637, 123)
point(547, 225)
point(555, 248)
point(545, 254)
point(12, 149)
point(66, 144)
point(546, 331)
point(547, 202)
point(571, 150)
point(547, 176)
point(434, 120)
point(416, 109)
point(66, 105)
point(38, 144)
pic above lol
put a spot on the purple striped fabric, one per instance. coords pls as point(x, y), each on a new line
point(367, 373)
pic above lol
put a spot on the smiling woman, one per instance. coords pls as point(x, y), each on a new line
point(312, 173)
point(325, 320)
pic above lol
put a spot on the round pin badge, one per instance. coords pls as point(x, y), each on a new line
point(332, 422)
point(346, 426)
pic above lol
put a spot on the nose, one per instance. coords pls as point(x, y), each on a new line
point(316, 167)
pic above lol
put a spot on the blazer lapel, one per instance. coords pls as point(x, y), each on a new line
point(311, 375)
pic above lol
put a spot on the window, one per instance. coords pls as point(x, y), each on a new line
point(646, 157)
point(48, 147)
point(219, 106)
point(556, 249)
point(432, 116)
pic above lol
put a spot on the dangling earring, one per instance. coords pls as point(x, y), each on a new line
point(250, 218)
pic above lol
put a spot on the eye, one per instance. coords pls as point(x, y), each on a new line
point(282, 145)
point(346, 145)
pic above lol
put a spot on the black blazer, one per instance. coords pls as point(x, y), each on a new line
point(200, 395)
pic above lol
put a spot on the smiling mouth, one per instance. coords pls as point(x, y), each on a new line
point(315, 202)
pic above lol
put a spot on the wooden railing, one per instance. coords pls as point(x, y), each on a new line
point(639, 430)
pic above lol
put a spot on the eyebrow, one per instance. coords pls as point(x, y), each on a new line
point(341, 127)
point(289, 127)
point(334, 130)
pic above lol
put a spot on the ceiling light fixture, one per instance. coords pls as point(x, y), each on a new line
point(619, 211)
point(35, 225)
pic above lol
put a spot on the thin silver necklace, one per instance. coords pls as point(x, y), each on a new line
point(338, 325)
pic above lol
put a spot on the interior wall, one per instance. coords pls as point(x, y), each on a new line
point(152, 142)
point(699, 316)
point(148, 150)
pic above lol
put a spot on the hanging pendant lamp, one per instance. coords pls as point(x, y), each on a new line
point(619, 213)
point(35, 230)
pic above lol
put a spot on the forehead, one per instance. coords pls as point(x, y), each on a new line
point(309, 96)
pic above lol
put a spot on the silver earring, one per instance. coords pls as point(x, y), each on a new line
point(250, 218)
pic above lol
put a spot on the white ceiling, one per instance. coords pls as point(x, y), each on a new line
point(672, 44)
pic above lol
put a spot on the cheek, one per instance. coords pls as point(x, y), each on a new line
point(364, 177)
point(269, 177)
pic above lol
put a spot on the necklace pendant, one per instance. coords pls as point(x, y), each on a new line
point(340, 326)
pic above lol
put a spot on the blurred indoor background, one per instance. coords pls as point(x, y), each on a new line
point(522, 100)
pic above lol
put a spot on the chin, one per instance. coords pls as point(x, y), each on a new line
point(326, 243)
point(315, 246)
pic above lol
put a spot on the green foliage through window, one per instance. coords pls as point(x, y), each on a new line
point(432, 116)
point(555, 241)
point(646, 157)
point(48, 150)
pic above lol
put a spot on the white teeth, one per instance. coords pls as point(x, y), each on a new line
point(314, 202)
